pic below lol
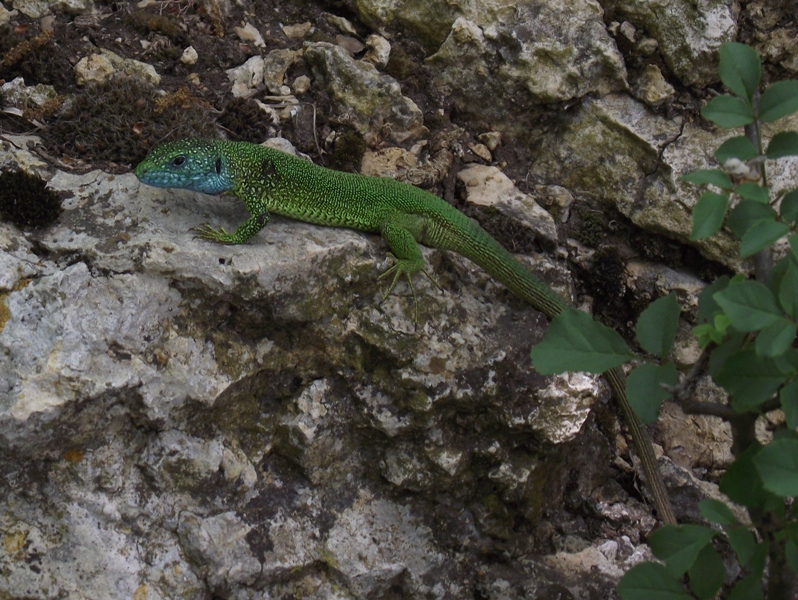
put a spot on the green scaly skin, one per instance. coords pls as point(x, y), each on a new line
point(271, 181)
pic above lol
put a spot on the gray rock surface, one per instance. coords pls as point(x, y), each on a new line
point(372, 100)
point(185, 419)
point(688, 32)
point(182, 419)
point(526, 55)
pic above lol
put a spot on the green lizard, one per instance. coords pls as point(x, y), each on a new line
point(271, 181)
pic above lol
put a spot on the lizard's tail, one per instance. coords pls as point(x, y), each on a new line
point(470, 240)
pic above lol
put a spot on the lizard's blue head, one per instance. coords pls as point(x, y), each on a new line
point(191, 164)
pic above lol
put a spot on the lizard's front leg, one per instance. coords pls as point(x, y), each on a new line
point(246, 230)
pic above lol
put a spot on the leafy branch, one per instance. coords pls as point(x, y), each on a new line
point(747, 331)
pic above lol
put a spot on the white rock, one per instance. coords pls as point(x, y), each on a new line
point(93, 69)
point(298, 30)
point(6, 15)
point(246, 77)
point(379, 51)
point(301, 84)
point(189, 56)
point(488, 186)
point(249, 33)
point(351, 44)
point(652, 88)
point(16, 93)
point(99, 67)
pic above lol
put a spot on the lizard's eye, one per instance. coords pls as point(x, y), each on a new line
point(178, 161)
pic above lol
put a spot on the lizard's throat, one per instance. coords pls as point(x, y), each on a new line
point(207, 183)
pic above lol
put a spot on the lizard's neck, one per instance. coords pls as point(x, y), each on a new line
point(217, 177)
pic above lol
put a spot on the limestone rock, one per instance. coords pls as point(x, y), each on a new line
point(247, 77)
point(36, 9)
point(528, 54)
point(373, 101)
point(182, 419)
point(688, 32)
point(489, 187)
point(99, 67)
point(16, 93)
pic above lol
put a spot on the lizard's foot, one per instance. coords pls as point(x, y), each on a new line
point(206, 232)
point(406, 268)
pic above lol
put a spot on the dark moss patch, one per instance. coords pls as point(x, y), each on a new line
point(590, 227)
point(26, 202)
point(35, 57)
point(120, 120)
point(605, 281)
point(348, 152)
point(246, 121)
point(152, 23)
point(406, 64)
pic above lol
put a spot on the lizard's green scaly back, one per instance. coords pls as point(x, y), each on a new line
point(296, 188)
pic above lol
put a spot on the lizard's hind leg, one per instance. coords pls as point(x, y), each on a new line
point(401, 232)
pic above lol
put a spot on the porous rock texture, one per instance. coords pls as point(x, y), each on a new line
point(180, 419)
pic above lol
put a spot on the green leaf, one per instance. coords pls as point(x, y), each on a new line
point(644, 390)
point(742, 484)
point(761, 235)
point(784, 143)
point(760, 555)
point(746, 214)
point(740, 69)
point(743, 542)
point(750, 379)
point(650, 581)
point(793, 239)
point(753, 191)
point(706, 334)
point(728, 111)
point(777, 464)
point(788, 290)
point(789, 403)
point(721, 354)
point(791, 554)
point(708, 215)
point(575, 342)
point(787, 363)
point(657, 324)
point(776, 274)
point(707, 573)
point(706, 303)
point(775, 339)
point(749, 304)
point(739, 147)
point(716, 511)
point(679, 545)
point(789, 206)
point(779, 100)
point(748, 588)
point(708, 177)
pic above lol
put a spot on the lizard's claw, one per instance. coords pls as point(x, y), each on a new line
point(206, 232)
point(406, 268)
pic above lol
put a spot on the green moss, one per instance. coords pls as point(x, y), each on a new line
point(405, 65)
point(5, 313)
point(590, 228)
point(245, 120)
point(348, 152)
point(151, 23)
point(120, 119)
point(26, 202)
